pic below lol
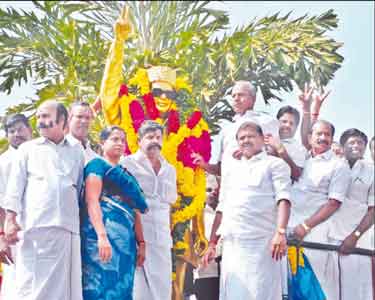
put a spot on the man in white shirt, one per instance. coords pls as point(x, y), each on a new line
point(18, 131)
point(157, 179)
point(350, 226)
point(287, 147)
point(255, 214)
point(43, 190)
point(80, 118)
point(316, 196)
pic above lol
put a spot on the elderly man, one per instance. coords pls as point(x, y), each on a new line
point(80, 118)
point(18, 131)
point(316, 196)
point(255, 215)
point(350, 225)
point(157, 178)
point(43, 190)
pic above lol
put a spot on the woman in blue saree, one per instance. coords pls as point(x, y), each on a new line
point(110, 224)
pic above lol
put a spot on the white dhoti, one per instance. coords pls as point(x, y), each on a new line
point(8, 285)
point(353, 275)
point(248, 271)
point(153, 281)
point(324, 263)
point(49, 265)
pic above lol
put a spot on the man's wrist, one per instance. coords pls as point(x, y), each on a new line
point(306, 227)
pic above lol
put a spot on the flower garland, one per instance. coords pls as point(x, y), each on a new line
point(178, 145)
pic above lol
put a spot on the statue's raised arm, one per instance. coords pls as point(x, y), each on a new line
point(112, 77)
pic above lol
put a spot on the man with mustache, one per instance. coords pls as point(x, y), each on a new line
point(287, 147)
point(157, 179)
point(316, 196)
point(43, 189)
point(350, 226)
point(255, 214)
point(80, 118)
point(17, 130)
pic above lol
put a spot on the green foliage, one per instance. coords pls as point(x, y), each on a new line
point(63, 49)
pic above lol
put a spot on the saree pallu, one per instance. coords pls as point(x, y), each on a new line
point(113, 280)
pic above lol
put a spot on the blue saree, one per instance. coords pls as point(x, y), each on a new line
point(120, 195)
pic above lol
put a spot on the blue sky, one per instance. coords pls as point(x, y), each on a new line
point(351, 102)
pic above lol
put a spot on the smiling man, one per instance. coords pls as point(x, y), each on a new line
point(316, 196)
point(253, 219)
point(351, 224)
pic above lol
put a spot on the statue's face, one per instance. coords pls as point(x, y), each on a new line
point(164, 99)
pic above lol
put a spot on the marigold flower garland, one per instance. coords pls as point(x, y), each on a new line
point(179, 143)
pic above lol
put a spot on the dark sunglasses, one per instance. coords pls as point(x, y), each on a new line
point(156, 92)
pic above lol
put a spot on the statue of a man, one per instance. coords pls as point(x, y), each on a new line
point(156, 90)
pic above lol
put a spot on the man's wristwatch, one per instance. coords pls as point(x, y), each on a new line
point(357, 233)
point(281, 230)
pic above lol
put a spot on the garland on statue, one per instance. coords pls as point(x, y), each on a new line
point(179, 143)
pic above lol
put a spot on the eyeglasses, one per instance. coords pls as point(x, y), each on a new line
point(156, 92)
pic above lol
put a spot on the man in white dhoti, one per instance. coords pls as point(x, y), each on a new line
point(255, 214)
point(43, 190)
point(80, 118)
point(18, 131)
point(157, 179)
point(316, 196)
point(350, 226)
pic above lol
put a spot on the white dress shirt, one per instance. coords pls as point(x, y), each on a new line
point(323, 177)
point(88, 153)
point(45, 183)
point(160, 191)
point(295, 150)
point(5, 165)
point(228, 141)
point(251, 195)
point(359, 197)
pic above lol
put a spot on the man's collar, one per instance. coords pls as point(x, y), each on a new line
point(139, 155)
point(248, 113)
point(261, 155)
point(73, 140)
point(44, 140)
point(291, 140)
point(325, 155)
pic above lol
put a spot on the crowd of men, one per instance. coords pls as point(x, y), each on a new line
point(270, 185)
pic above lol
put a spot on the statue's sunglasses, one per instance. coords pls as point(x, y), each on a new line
point(156, 92)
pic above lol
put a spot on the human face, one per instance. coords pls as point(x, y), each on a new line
point(250, 142)
point(337, 149)
point(46, 119)
point(212, 191)
point(18, 133)
point(79, 122)
point(288, 126)
point(354, 148)
point(151, 143)
point(242, 100)
point(113, 147)
point(321, 138)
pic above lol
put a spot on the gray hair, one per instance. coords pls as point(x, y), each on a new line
point(248, 86)
point(149, 126)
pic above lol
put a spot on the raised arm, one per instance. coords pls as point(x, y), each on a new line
point(305, 99)
point(112, 77)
